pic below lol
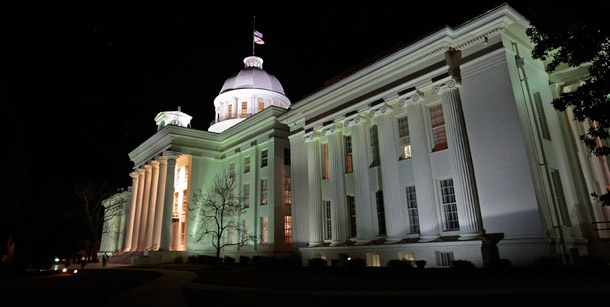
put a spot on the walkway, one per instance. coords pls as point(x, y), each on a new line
point(167, 290)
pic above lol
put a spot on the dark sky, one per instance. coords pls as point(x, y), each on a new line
point(85, 79)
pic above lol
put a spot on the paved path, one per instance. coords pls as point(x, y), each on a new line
point(167, 290)
point(163, 291)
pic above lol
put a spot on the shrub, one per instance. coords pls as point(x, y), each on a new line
point(545, 263)
point(590, 262)
point(355, 265)
point(462, 266)
point(400, 263)
point(192, 259)
point(207, 260)
point(178, 260)
point(500, 265)
point(244, 260)
point(229, 260)
point(421, 264)
point(334, 263)
point(317, 263)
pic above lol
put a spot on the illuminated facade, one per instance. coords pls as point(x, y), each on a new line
point(446, 149)
point(178, 160)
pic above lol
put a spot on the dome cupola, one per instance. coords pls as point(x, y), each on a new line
point(246, 93)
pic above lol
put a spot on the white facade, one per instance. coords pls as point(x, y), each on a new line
point(446, 149)
point(177, 161)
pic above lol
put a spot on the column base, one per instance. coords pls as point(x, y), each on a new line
point(470, 236)
point(364, 241)
point(315, 244)
point(428, 238)
point(392, 240)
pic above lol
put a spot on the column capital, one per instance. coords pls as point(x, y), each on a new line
point(147, 168)
point(411, 98)
point(141, 171)
point(162, 160)
point(134, 175)
point(385, 109)
point(154, 164)
point(312, 136)
point(445, 84)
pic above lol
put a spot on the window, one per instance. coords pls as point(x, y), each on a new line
point(438, 127)
point(264, 230)
point(405, 140)
point(351, 205)
point(449, 206)
point(444, 258)
point(261, 106)
point(412, 209)
point(406, 256)
point(328, 233)
point(244, 109)
point(246, 195)
point(263, 191)
point(230, 115)
point(246, 165)
point(229, 233)
point(326, 165)
point(245, 231)
point(349, 167)
point(380, 213)
point(232, 169)
point(288, 229)
point(287, 191)
point(560, 198)
point(264, 158)
point(286, 156)
point(541, 117)
point(372, 259)
point(374, 146)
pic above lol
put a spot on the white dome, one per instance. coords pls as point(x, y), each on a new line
point(253, 77)
point(246, 93)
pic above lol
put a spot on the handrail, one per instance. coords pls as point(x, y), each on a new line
point(146, 250)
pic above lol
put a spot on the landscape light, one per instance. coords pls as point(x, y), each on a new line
point(56, 259)
point(64, 270)
point(75, 271)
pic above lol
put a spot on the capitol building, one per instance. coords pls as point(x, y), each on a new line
point(446, 149)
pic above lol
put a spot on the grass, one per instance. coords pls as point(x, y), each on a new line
point(87, 287)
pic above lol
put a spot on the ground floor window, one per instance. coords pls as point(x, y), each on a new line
point(444, 258)
point(372, 259)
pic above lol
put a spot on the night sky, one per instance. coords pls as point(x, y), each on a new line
point(83, 80)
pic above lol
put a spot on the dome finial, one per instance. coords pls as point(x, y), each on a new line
point(253, 61)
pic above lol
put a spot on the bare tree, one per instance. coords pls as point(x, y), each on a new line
point(90, 196)
point(218, 212)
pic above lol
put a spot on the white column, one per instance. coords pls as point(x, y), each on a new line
point(145, 202)
point(388, 155)
point(132, 211)
point(429, 227)
point(124, 220)
point(338, 209)
point(166, 229)
point(158, 221)
point(466, 196)
point(152, 204)
point(116, 229)
point(138, 211)
point(314, 176)
point(365, 213)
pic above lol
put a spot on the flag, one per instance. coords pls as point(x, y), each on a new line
point(258, 38)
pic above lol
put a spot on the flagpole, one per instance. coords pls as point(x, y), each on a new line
point(253, 29)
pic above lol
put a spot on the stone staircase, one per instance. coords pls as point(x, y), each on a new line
point(123, 257)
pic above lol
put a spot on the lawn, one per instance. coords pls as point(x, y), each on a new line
point(87, 287)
